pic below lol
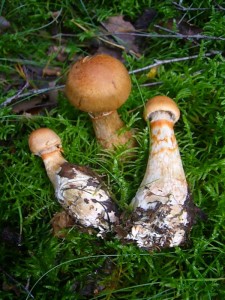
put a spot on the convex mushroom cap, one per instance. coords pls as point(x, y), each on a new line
point(161, 103)
point(98, 84)
point(44, 140)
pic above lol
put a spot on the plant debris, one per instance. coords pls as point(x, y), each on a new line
point(119, 29)
point(4, 24)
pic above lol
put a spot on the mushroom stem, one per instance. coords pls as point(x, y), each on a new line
point(164, 164)
point(53, 162)
point(107, 127)
point(163, 208)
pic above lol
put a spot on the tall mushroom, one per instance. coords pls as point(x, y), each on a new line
point(99, 85)
point(77, 188)
point(163, 210)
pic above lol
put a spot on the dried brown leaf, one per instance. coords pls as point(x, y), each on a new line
point(145, 19)
point(37, 105)
point(51, 71)
point(182, 27)
point(117, 53)
point(116, 25)
point(188, 29)
point(60, 221)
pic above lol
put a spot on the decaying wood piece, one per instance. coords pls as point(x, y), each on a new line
point(78, 189)
point(163, 211)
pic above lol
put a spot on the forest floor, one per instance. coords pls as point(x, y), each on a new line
point(169, 49)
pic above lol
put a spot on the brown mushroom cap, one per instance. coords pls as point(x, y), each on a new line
point(98, 84)
point(44, 140)
point(161, 103)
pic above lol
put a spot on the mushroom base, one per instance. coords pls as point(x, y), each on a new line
point(152, 229)
point(110, 130)
point(84, 196)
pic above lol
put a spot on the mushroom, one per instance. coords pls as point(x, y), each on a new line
point(163, 210)
point(99, 85)
point(78, 189)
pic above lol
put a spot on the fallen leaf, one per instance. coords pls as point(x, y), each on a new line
point(182, 27)
point(60, 221)
point(152, 73)
point(186, 28)
point(37, 104)
point(120, 30)
point(145, 19)
point(31, 106)
point(117, 53)
point(51, 71)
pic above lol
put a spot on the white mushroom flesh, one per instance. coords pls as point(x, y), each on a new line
point(82, 194)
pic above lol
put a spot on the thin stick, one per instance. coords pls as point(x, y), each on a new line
point(219, 6)
point(156, 64)
point(32, 93)
point(100, 38)
point(168, 61)
point(154, 35)
point(25, 288)
point(151, 83)
point(175, 35)
point(183, 8)
point(171, 31)
point(166, 29)
point(121, 47)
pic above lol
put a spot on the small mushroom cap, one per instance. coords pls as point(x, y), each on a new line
point(44, 140)
point(161, 103)
point(98, 84)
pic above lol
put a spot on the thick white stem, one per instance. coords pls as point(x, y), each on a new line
point(164, 173)
point(160, 200)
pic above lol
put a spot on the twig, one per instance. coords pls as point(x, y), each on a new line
point(100, 38)
point(55, 19)
point(150, 35)
point(25, 288)
point(219, 6)
point(121, 47)
point(166, 29)
point(168, 61)
point(183, 8)
point(175, 35)
point(171, 31)
point(156, 64)
point(115, 38)
point(20, 91)
point(151, 83)
point(32, 93)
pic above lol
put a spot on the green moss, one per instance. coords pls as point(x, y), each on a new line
point(75, 267)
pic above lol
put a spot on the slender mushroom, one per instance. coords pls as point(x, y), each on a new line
point(99, 85)
point(163, 211)
point(78, 189)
